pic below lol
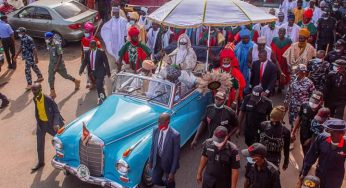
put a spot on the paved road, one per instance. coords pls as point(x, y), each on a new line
point(18, 140)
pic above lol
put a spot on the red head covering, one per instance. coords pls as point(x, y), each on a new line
point(308, 13)
point(228, 53)
point(133, 31)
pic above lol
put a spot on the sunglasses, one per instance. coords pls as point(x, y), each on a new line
point(182, 43)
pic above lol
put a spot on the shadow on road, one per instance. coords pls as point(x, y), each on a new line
point(84, 103)
point(50, 181)
point(18, 105)
point(62, 102)
point(6, 76)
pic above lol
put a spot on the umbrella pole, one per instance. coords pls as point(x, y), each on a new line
point(208, 46)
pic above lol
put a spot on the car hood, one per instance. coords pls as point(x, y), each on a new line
point(121, 116)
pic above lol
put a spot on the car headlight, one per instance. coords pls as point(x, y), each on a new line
point(56, 142)
point(122, 167)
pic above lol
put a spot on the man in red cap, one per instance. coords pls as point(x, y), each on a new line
point(307, 23)
point(229, 63)
point(133, 52)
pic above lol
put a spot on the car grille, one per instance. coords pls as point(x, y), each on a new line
point(91, 156)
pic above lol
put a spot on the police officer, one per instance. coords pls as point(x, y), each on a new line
point(276, 137)
point(335, 89)
point(306, 114)
point(56, 63)
point(338, 52)
point(330, 150)
point(260, 173)
point(217, 114)
point(255, 109)
point(221, 161)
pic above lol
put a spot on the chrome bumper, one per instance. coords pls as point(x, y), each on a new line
point(92, 180)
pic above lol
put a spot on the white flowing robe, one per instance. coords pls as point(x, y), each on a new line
point(269, 34)
point(113, 34)
point(292, 32)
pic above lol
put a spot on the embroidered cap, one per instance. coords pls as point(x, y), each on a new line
point(255, 149)
point(335, 124)
point(220, 134)
point(311, 182)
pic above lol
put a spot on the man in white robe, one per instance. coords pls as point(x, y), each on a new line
point(292, 29)
point(114, 33)
point(288, 6)
point(153, 35)
point(269, 32)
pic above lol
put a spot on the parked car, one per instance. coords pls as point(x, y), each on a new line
point(110, 145)
point(63, 17)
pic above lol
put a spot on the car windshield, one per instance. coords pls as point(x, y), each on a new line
point(144, 88)
point(70, 9)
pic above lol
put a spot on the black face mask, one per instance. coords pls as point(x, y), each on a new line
point(275, 123)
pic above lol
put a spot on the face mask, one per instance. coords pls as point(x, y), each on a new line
point(163, 127)
point(132, 22)
point(318, 59)
point(335, 68)
point(220, 145)
point(313, 105)
point(226, 65)
point(20, 35)
point(87, 35)
point(47, 41)
point(335, 9)
point(337, 50)
point(325, 17)
point(250, 160)
point(218, 107)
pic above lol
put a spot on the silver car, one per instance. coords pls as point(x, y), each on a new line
point(63, 17)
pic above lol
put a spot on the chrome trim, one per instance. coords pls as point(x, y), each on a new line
point(104, 182)
point(95, 141)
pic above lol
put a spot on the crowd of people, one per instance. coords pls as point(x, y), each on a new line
point(301, 56)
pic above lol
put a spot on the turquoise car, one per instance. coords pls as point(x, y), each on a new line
point(110, 145)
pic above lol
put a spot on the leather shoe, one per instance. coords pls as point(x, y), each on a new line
point(37, 167)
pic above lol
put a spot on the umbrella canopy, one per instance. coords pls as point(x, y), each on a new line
point(195, 13)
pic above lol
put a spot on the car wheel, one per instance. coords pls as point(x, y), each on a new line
point(146, 176)
point(58, 37)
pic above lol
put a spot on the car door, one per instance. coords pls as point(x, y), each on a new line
point(24, 19)
point(187, 112)
point(42, 22)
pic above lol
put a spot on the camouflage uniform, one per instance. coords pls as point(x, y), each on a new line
point(299, 91)
point(55, 50)
point(318, 71)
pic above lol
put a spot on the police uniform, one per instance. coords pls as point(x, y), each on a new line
point(268, 177)
point(299, 91)
point(330, 168)
point(55, 50)
point(306, 115)
point(256, 113)
point(223, 116)
point(275, 138)
point(332, 56)
point(335, 93)
point(220, 163)
point(318, 71)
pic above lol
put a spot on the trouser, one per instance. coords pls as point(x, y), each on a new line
point(9, 49)
point(61, 70)
point(337, 110)
point(306, 143)
point(30, 64)
point(251, 135)
point(215, 182)
point(99, 87)
point(42, 129)
point(159, 174)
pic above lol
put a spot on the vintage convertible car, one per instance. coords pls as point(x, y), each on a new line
point(110, 145)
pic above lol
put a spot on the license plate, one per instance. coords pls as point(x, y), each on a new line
point(83, 172)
